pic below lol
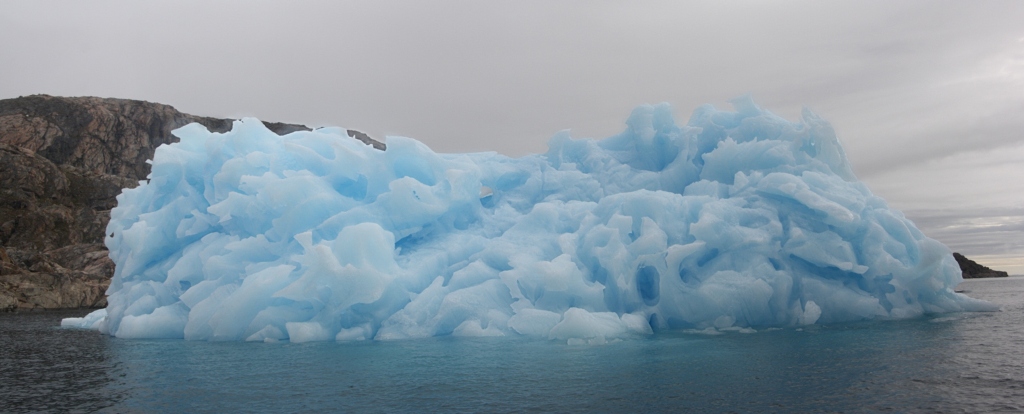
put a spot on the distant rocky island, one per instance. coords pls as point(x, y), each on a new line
point(972, 270)
point(63, 161)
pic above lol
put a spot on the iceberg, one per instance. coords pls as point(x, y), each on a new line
point(735, 221)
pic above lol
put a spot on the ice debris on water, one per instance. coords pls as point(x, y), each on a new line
point(737, 220)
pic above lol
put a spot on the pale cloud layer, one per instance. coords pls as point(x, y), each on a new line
point(927, 97)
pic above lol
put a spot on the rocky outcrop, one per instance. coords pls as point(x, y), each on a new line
point(973, 270)
point(63, 161)
point(69, 277)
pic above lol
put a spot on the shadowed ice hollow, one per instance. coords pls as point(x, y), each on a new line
point(736, 220)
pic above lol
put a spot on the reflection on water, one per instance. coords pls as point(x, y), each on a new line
point(957, 362)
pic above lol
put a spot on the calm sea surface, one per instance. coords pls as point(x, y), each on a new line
point(971, 362)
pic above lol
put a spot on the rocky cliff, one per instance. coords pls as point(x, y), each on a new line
point(973, 270)
point(63, 161)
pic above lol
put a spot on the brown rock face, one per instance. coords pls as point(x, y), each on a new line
point(63, 161)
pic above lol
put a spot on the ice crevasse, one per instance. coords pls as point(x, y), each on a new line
point(736, 220)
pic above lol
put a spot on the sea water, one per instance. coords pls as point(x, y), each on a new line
point(951, 362)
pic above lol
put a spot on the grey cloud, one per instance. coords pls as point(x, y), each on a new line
point(976, 232)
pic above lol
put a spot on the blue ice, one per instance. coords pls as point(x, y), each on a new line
point(736, 220)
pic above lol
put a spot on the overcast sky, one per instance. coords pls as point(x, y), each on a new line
point(927, 97)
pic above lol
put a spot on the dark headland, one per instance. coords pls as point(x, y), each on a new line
point(63, 161)
point(973, 270)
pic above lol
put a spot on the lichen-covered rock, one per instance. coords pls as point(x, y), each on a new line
point(67, 289)
point(69, 277)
